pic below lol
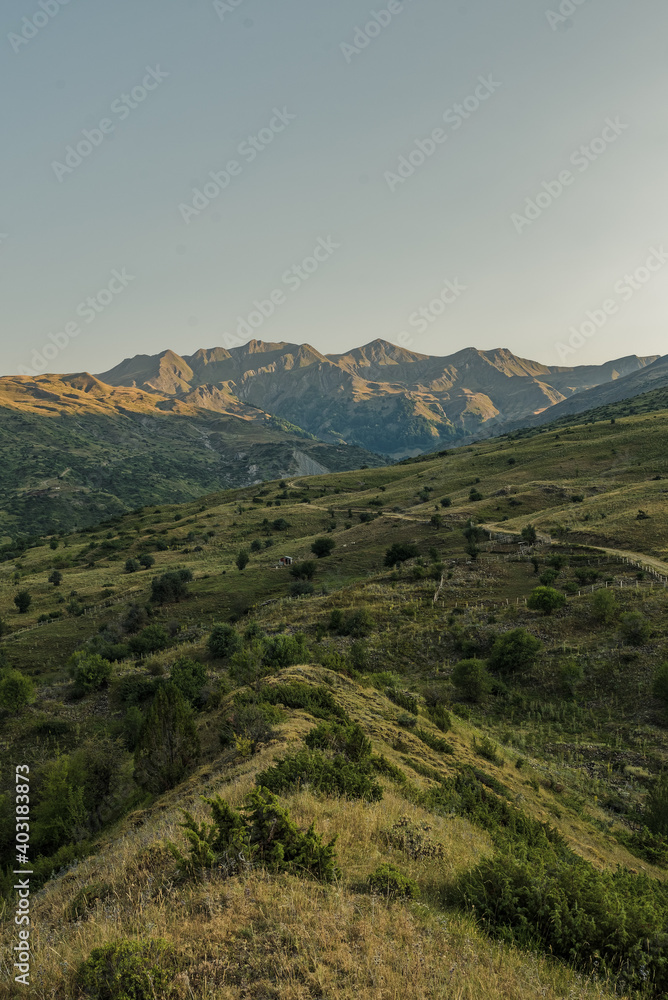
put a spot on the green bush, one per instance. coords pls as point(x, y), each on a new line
point(514, 652)
point(389, 881)
point(223, 641)
point(404, 699)
point(347, 740)
point(86, 897)
point(604, 606)
point(318, 701)
point(171, 587)
point(656, 812)
point(254, 722)
point(323, 774)
point(547, 600)
point(303, 570)
point(634, 629)
point(168, 746)
point(284, 651)
point(434, 742)
point(440, 716)
point(89, 671)
point(189, 676)
point(152, 639)
point(128, 970)
point(401, 552)
point(660, 686)
point(323, 547)
point(16, 690)
point(471, 679)
point(262, 833)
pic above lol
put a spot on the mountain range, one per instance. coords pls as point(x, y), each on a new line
point(381, 397)
point(164, 428)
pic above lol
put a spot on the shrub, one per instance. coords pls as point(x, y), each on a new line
point(571, 674)
point(488, 750)
point(324, 774)
point(358, 623)
point(546, 599)
point(86, 897)
point(303, 570)
point(301, 588)
point(262, 833)
point(284, 651)
point(168, 745)
point(323, 547)
point(656, 813)
point(404, 699)
point(146, 561)
point(152, 639)
point(127, 970)
point(89, 671)
point(223, 641)
point(23, 600)
point(389, 881)
point(440, 716)
point(401, 552)
point(56, 578)
point(242, 560)
point(634, 629)
point(318, 701)
point(16, 690)
point(189, 676)
point(660, 686)
point(529, 534)
point(132, 565)
point(348, 741)
point(604, 606)
point(471, 679)
point(515, 651)
point(254, 721)
point(434, 742)
point(171, 587)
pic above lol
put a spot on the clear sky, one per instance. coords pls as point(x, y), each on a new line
point(304, 109)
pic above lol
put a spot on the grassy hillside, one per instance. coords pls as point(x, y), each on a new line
point(506, 785)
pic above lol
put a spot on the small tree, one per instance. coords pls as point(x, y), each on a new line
point(514, 652)
point(171, 586)
point(634, 629)
point(89, 671)
point(401, 552)
point(56, 578)
point(529, 534)
point(16, 690)
point(471, 679)
point(303, 570)
point(473, 535)
point(131, 565)
point(23, 600)
point(223, 641)
point(604, 606)
point(146, 560)
point(323, 547)
point(242, 560)
point(168, 745)
point(546, 599)
point(657, 807)
point(661, 684)
point(189, 676)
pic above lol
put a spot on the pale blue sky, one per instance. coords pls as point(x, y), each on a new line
point(328, 175)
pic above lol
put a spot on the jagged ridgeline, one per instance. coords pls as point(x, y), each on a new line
point(400, 731)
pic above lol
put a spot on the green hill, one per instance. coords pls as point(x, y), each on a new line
point(510, 782)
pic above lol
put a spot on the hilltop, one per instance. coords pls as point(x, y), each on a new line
point(538, 774)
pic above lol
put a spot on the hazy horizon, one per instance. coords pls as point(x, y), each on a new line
point(437, 178)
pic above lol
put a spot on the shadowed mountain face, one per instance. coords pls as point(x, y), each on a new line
point(380, 397)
